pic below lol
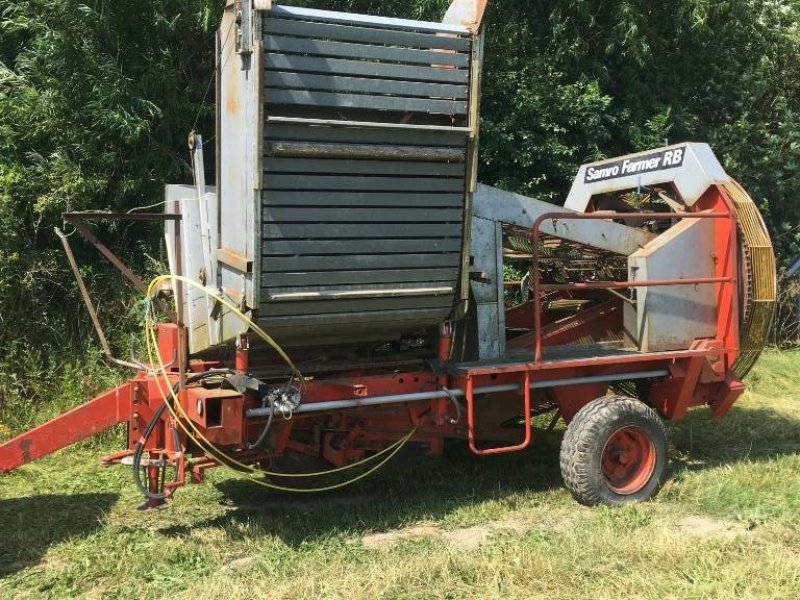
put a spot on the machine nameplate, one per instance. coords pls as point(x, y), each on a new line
point(634, 165)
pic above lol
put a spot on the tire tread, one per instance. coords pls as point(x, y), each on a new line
point(580, 445)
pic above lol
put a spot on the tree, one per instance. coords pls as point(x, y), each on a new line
point(96, 100)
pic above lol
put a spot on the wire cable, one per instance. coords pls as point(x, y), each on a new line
point(239, 468)
point(151, 425)
point(265, 431)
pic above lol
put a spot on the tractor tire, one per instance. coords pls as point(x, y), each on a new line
point(614, 452)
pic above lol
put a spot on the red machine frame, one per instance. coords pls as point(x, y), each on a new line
point(349, 415)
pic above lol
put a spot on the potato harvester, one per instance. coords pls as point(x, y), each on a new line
point(346, 286)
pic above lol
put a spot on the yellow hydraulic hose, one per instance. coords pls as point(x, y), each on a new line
point(205, 444)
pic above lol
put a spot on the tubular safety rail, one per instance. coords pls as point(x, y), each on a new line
point(607, 285)
point(469, 393)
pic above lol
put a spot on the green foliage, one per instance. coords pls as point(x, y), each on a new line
point(580, 80)
point(96, 100)
point(576, 80)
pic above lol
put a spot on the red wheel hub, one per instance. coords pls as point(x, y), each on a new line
point(628, 461)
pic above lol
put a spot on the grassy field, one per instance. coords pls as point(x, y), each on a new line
point(726, 525)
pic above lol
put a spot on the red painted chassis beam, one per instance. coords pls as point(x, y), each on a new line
point(96, 415)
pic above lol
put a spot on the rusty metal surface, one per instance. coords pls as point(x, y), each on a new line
point(96, 415)
point(90, 306)
point(760, 279)
point(468, 13)
point(77, 219)
point(110, 256)
point(72, 217)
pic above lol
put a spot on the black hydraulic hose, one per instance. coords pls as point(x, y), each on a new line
point(137, 454)
point(452, 397)
point(151, 425)
point(264, 432)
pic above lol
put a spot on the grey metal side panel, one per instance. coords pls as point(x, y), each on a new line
point(239, 164)
point(507, 207)
point(284, 44)
point(362, 205)
point(487, 255)
point(370, 35)
point(339, 66)
point(672, 317)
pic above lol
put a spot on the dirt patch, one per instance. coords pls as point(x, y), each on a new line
point(376, 541)
point(240, 564)
point(56, 564)
point(705, 527)
point(472, 538)
point(463, 538)
point(561, 521)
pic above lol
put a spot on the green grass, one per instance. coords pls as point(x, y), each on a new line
point(726, 525)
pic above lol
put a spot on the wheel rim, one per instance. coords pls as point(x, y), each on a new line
point(629, 459)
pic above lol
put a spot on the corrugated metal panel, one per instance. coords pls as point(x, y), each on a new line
point(361, 199)
point(338, 66)
point(362, 204)
point(364, 167)
point(349, 279)
point(362, 135)
point(369, 35)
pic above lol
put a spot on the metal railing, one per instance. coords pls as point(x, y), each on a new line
point(607, 285)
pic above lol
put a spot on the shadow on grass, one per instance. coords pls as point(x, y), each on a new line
point(30, 525)
point(414, 489)
point(410, 488)
point(745, 434)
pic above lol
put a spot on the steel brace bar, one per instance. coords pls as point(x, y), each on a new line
point(526, 399)
point(96, 415)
